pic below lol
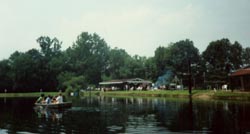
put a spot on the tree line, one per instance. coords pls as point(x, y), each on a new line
point(90, 60)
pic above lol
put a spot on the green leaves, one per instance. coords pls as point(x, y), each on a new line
point(90, 60)
point(90, 55)
point(246, 56)
point(175, 57)
point(222, 57)
point(49, 47)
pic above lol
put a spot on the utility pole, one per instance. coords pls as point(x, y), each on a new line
point(189, 78)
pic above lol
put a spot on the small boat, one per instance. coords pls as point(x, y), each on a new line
point(55, 105)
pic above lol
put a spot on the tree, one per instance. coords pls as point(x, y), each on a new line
point(62, 78)
point(20, 67)
point(26, 70)
point(49, 47)
point(181, 53)
point(150, 69)
point(5, 76)
point(51, 62)
point(221, 58)
point(136, 67)
point(117, 61)
point(246, 56)
point(89, 56)
point(162, 59)
point(33, 79)
point(175, 57)
point(235, 56)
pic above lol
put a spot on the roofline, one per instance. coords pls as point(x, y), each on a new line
point(240, 72)
point(133, 80)
point(107, 83)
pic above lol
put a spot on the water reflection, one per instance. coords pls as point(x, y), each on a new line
point(48, 113)
point(125, 115)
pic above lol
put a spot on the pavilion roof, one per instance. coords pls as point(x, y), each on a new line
point(121, 81)
point(240, 72)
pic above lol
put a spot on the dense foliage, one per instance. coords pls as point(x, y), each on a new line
point(221, 58)
point(90, 60)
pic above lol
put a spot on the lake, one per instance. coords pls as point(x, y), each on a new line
point(93, 115)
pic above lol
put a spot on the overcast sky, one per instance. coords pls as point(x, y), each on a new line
point(138, 26)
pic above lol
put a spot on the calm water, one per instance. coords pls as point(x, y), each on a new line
point(130, 115)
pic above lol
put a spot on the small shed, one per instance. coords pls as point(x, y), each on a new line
point(240, 79)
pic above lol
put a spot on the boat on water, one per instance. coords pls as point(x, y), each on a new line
point(55, 105)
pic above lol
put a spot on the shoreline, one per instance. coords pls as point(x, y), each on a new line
point(30, 94)
point(196, 94)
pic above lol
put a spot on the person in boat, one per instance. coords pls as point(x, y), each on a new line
point(40, 99)
point(59, 98)
point(48, 99)
point(53, 99)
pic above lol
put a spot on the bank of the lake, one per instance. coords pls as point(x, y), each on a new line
point(196, 94)
point(32, 94)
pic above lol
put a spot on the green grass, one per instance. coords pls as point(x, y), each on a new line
point(33, 94)
point(237, 95)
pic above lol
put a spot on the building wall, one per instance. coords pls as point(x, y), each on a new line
point(240, 83)
point(246, 79)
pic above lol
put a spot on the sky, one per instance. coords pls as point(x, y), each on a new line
point(138, 26)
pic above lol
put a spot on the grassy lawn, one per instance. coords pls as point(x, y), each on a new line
point(33, 94)
point(236, 95)
point(159, 93)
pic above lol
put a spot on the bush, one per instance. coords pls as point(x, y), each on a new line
point(69, 90)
